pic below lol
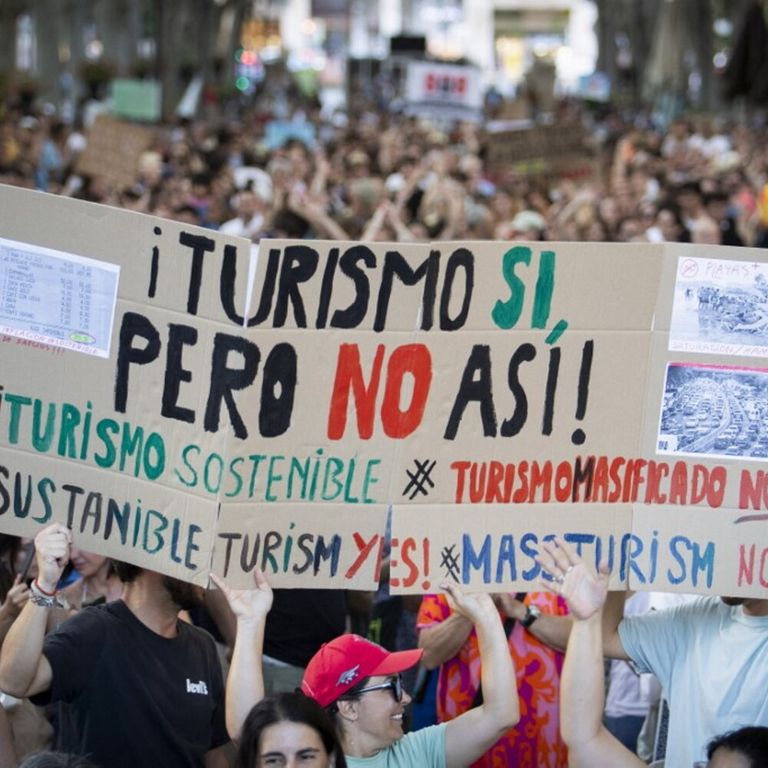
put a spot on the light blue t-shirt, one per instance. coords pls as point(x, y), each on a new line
point(712, 662)
point(420, 749)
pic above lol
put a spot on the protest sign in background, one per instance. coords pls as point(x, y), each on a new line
point(449, 91)
point(493, 393)
point(136, 99)
point(114, 149)
point(556, 148)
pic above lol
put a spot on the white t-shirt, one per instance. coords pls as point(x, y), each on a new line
point(628, 692)
point(240, 228)
point(419, 749)
point(626, 696)
point(712, 662)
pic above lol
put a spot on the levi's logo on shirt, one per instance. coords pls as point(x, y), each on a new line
point(200, 687)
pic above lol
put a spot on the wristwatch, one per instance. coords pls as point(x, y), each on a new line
point(532, 612)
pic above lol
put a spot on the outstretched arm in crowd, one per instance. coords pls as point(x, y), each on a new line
point(15, 600)
point(24, 670)
point(471, 734)
point(443, 641)
point(550, 629)
point(319, 183)
point(582, 691)
point(375, 225)
point(245, 682)
point(301, 204)
point(613, 613)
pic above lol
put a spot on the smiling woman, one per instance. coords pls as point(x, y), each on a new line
point(357, 682)
point(286, 731)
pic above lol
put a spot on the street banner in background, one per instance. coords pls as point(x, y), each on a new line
point(443, 90)
point(137, 99)
point(494, 394)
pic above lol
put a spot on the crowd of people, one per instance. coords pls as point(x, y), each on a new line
point(390, 177)
point(106, 662)
point(129, 683)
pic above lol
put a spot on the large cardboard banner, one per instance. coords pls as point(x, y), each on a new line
point(184, 403)
point(112, 324)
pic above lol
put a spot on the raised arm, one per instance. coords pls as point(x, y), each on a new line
point(582, 691)
point(245, 681)
point(550, 629)
point(444, 640)
point(15, 600)
point(613, 613)
point(315, 214)
point(374, 226)
point(471, 734)
point(24, 670)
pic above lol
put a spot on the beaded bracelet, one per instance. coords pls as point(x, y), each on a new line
point(39, 596)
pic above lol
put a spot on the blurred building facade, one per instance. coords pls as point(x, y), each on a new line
point(67, 50)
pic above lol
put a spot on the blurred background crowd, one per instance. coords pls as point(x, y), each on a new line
point(375, 176)
point(665, 144)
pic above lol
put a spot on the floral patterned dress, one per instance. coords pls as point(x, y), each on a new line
point(535, 741)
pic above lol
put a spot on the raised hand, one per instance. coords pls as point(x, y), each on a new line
point(472, 606)
point(16, 599)
point(510, 606)
point(248, 604)
point(584, 589)
point(52, 546)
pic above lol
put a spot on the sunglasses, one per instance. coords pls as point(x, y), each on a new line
point(394, 683)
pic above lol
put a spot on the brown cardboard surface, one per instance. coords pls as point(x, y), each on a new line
point(293, 277)
point(471, 384)
point(491, 548)
point(696, 549)
point(125, 518)
point(113, 150)
point(61, 412)
point(331, 545)
point(558, 147)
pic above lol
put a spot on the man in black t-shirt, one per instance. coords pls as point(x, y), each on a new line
point(300, 621)
point(138, 686)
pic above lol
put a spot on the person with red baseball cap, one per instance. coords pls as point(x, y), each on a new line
point(358, 682)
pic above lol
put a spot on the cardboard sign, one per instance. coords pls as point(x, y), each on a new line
point(655, 406)
point(92, 440)
point(113, 151)
point(135, 99)
point(492, 547)
point(337, 545)
point(494, 394)
point(557, 148)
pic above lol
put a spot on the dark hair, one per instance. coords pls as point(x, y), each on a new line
point(750, 742)
point(288, 224)
point(718, 196)
point(55, 760)
point(352, 694)
point(692, 187)
point(294, 708)
point(126, 572)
